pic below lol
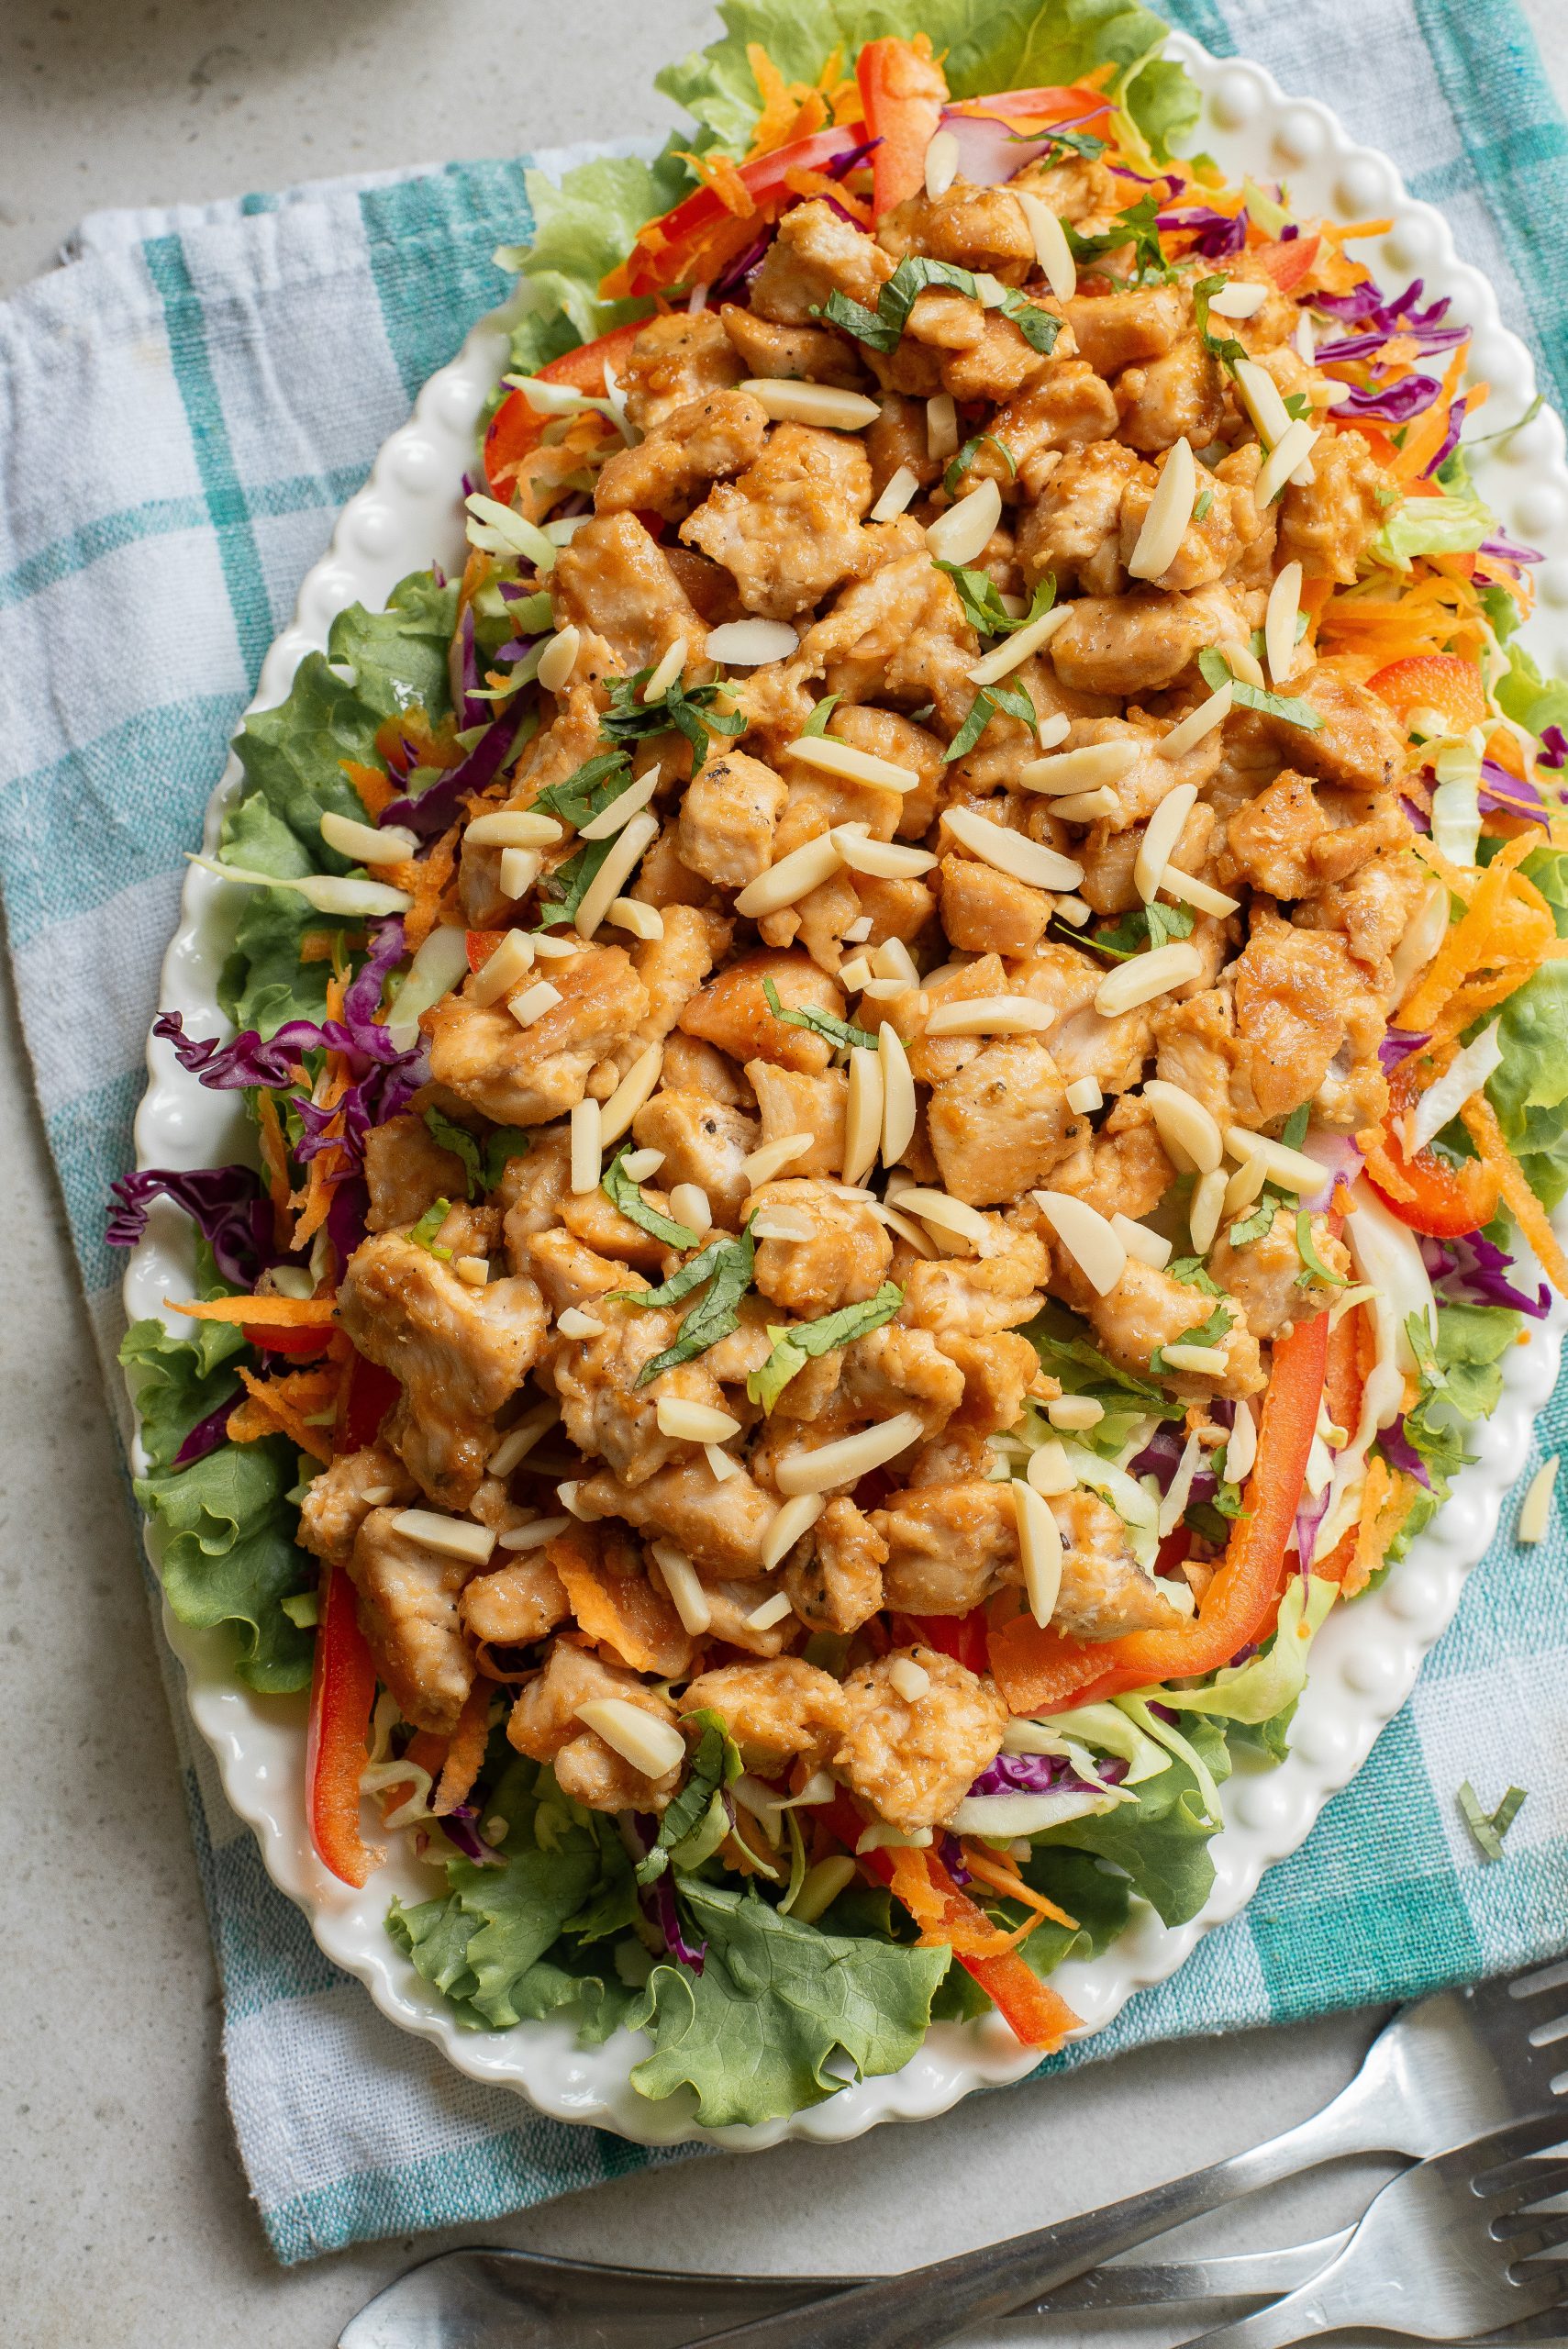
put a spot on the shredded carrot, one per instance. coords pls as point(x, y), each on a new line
point(466, 1751)
point(274, 1163)
point(1481, 1124)
point(942, 1925)
point(1002, 1876)
point(790, 109)
point(626, 1612)
point(1490, 931)
point(264, 1312)
point(376, 790)
point(1428, 433)
point(718, 175)
point(427, 881)
point(1386, 1504)
point(810, 183)
point(278, 1406)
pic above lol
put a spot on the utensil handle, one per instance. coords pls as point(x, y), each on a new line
point(932, 2304)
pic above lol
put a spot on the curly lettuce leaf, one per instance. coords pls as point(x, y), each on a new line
point(1163, 1839)
point(1455, 523)
point(229, 1556)
point(584, 226)
point(1529, 1089)
point(180, 1380)
point(984, 45)
point(756, 2034)
point(1266, 1686)
point(1531, 700)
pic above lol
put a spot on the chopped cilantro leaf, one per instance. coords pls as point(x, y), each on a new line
point(883, 328)
point(695, 714)
point(1261, 1220)
point(563, 891)
point(959, 464)
point(1139, 227)
point(983, 709)
point(817, 721)
point(1205, 500)
point(1206, 1333)
point(623, 1193)
point(1153, 925)
point(1313, 1267)
point(424, 1233)
point(820, 1023)
point(728, 1265)
point(483, 1170)
point(1223, 347)
point(793, 1349)
point(983, 605)
point(1217, 672)
point(597, 781)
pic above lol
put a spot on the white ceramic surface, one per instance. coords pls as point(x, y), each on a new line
point(1367, 1657)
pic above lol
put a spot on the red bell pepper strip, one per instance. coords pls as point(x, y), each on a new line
point(482, 944)
point(1441, 1197)
point(1288, 261)
point(305, 1342)
point(1439, 680)
point(902, 92)
point(1040, 108)
point(1041, 1670)
point(371, 1393)
point(516, 428)
point(342, 1692)
point(666, 248)
point(1036, 2014)
point(962, 1637)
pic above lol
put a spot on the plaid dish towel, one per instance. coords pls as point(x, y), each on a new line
point(233, 368)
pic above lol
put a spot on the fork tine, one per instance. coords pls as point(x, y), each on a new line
point(1532, 2180)
point(1531, 1985)
point(1494, 2159)
point(1551, 2231)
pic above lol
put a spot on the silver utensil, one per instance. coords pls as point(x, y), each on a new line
point(1447, 2248)
point(520, 2299)
point(1443, 2072)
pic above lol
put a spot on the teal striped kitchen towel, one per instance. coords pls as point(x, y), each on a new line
point(183, 406)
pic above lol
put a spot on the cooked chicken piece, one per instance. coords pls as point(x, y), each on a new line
point(709, 439)
point(570, 1273)
point(663, 881)
point(974, 1295)
point(786, 541)
point(732, 1010)
point(1180, 396)
point(1079, 188)
point(1082, 1042)
point(1105, 1592)
point(544, 1725)
point(525, 1077)
point(832, 461)
point(899, 635)
point(1002, 1122)
point(973, 227)
point(775, 1712)
point(950, 1546)
point(984, 910)
point(1373, 908)
point(535, 1186)
point(339, 1500)
point(704, 1142)
point(409, 1613)
point(915, 1759)
point(817, 921)
point(811, 355)
point(1003, 364)
point(1196, 1049)
point(407, 1171)
point(997, 1370)
point(833, 1575)
point(721, 1527)
point(458, 1351)
point(613, 579)
point(672, 967)
point(555, 753)
point(886, 735)
point(905, 909)
point(629, 1618)
point(1108, 853)
point(605, 1411)
point(676, 360)
point(1065, 407)
point(1360, 744)
point(892, 1370)
point(898, 437)
point(1137, 643)
point(1072, 531)
point(1268, 1279)
point(844, 1261)
point(790, 1102)
point(1297, 835)
point(591, 1218)
point(709, 590)
point(727, 818)
point(960, 1455)
point(816, 253)
point(1117, 330)
point(1122, 1168)
point(515, 1605)
point(816, 802)
point(691, 1066)
point(1308, 1028)
point(1325, 523)
point(931, 1058)
point(1147, 1310)
point(1211, 545)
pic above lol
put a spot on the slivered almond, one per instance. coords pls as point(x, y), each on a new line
point(639, 1164)
point(626, 854)
point(533, 1002)
point(687, 1597)
point(630, 914)
point(535, 1534)
point(691, 1423)
point(653, 1746)
point(1050, 247)
point(586, 1147)
point(941, 162)
point(1261, 398)
point(962, 533)
point(1094, 1244)
point(1016, 649)
point(941, 426)
point(630, 1094)
point(1284, 461)
point(1243, 661)
point(672, 662)
point(906, 1227)
point(1074, 1412)
point(1280, 615)
point(1242, 1446)
point(519, 871)
point(792, 877)
point(846, 1460)
point(786, 1526)
point(853, 975)
point(1013, 852)
point(747, 644)
point(504, 969)
point(721, 1465)
point(1185, 1126)
point(897, 1095)
point(1160, 834)
point(1190, 890)
point(1197, 723)
point(547, 948)
point(1083, 1095)
point(1244, 1185)
point(519, 1441)
point(884, 860)
point(910, 1680)
point(898, 493)
point(945, 1214)
point(1050, 1470)
point(1203, 1218)
point(621, 809)
point(1169, 511)
point(452, 1537)
point(1139, 1242)
point(1080, 770)
point(514, 828)
point(795, 403)
point(559, 659)
point(760, 1165)
point(689, 1205)
point(576, 1324)
point(1200, 1362)
point(1053, 729)
point(1291, 1170)
point(1146, 977)
point(893, 960)
point(1087, 807)
point(364, 844)
point(826, 752)
point(771, 1611)
point(863, 1120)
point(1039, 1547)
point(992, 1015)
point(1235, 300)
point(473, 1270)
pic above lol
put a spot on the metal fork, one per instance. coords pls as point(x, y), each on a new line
point(1440, 2254)
point(1443, 2071)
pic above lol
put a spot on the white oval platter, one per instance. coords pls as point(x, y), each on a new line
point(1367, 1657)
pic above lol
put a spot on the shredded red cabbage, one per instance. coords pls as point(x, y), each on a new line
point(1553, 747)
point(459, 1825)
point(1449, 441)
point(1418, 818)
point(1217, 235)
point(949, 1851)
point(1389, 403)
point(657, 1900)
point(1032, 1773)
point(225, 1203)
point(1366, 306)
point(1400, 1453)
point(208, 1434)
point(1161, 1457)
point(431, 812)
point(1478, 1265)
point(1504, 550)
point(990, 150)
point(1397, 1045)
point(1509, 792)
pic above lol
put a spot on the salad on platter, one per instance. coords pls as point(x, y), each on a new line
point(905, 1060)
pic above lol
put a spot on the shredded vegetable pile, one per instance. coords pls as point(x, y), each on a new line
point(907, 1058)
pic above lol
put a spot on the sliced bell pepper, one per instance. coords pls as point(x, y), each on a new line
point(1039, 108)
point(298, 1342)
point(342, 1693)
point(903, 91)
point(516, 428)
point(1439, 680)
point(1287, 261)
point(1036, 2014)
point(703, 231)
point(1438, 1197)
point(962, 1637)
point(369, 1394)
point(1041, 1670)
point(482, 944)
